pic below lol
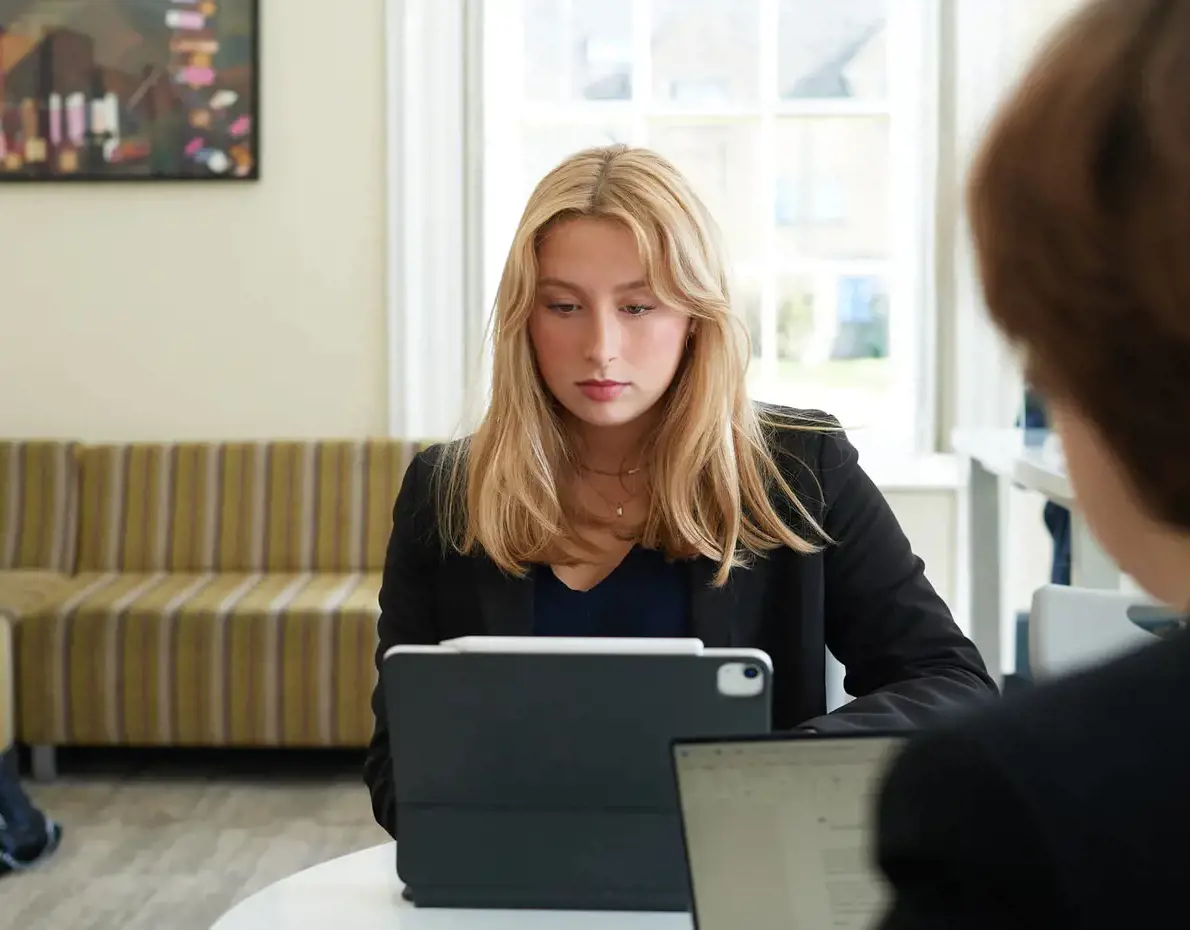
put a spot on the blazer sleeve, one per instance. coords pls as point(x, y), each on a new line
point(907, 663)
point(959, 844)
point(407, 615)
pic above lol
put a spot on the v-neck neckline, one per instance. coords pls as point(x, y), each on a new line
point(602, 581)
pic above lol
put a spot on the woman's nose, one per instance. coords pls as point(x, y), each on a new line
point(603, 336)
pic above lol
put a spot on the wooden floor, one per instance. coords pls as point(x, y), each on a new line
point(173, 839)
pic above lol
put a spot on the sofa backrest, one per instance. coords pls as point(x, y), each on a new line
point(239, 506)
point(38, 500)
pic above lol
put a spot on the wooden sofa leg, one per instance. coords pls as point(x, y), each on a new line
point(45, 763)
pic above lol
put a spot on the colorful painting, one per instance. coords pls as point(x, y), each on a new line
point(129, 89)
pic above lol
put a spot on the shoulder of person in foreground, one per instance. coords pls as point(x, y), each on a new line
point(1049, 809)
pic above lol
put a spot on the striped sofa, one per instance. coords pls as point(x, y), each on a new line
point(217, 594)
point(38, 518)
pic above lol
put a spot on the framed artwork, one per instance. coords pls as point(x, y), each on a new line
point(125, 90)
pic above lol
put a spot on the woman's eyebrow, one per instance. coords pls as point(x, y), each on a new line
point(570, 285)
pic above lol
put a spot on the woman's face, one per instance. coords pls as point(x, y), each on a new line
point(1155, 555)
point(606, 347)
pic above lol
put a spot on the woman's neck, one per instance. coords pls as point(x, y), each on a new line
point(612, 449)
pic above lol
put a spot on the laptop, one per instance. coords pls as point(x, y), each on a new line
point(777, 830)
point(536, 773)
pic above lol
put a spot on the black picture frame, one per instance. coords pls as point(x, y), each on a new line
point(182, 98)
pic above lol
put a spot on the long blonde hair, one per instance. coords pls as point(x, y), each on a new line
point(712, 468)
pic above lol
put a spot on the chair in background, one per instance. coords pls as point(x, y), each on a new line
point(1072, 628)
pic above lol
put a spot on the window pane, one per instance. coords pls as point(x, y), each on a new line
point(832, 349)
point(832, 188)
point(578, 50)
point(831, 49)
point(721, 161)
point(831, 317)
point(544, 147)
point(798, 329)
point(746, 298)
point(705, 52)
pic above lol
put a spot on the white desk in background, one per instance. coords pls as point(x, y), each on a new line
point(999, 459)
point(362, 891)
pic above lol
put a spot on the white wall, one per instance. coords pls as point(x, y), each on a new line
point(929, 518)
point(162, 310)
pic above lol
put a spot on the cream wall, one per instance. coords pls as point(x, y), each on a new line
point(163, 310)
point(195, 311)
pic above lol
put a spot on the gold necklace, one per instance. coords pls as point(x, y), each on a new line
point(616, 505)
point(611, 474)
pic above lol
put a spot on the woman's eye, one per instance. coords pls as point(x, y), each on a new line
point(637, 309)
point(562, 308)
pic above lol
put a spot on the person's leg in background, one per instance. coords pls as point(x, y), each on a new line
point(1057, 522)
point(27, 836)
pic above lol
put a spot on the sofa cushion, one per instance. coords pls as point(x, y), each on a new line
point(239, 507)
point(201, 659)
point(23, 592)
point(38, 497)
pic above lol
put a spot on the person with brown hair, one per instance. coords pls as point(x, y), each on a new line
point(1068, 806)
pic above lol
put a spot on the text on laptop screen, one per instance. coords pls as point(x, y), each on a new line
point(778, 832)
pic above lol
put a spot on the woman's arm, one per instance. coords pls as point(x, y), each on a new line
point(907, 662)
point(407, 615)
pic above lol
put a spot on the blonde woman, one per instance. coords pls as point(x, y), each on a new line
point(622, 483)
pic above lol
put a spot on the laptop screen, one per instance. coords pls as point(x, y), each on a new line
point(778, 831)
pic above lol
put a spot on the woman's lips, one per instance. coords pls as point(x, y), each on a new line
point(602, 391)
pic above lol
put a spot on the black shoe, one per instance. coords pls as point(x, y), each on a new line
point(19, 856)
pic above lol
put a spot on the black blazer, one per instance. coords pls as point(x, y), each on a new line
point(866, 598)
point(1063, 808)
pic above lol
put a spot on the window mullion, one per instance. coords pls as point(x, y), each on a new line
point(642, 69)
point(767, 182)
point(566, 16)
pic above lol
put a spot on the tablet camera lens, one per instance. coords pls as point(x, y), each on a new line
point(751, 671)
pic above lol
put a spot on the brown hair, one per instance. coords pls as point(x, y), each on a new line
point(1080, 209)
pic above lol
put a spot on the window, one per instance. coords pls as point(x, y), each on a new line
point(804, 126)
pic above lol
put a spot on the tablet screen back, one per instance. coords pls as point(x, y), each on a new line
point(778, 832)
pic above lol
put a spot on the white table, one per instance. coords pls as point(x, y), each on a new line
point(362, 891)
point(1000, 458)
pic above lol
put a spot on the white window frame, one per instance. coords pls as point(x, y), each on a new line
point(431, 274)
point(913, 28)
point(438, 369)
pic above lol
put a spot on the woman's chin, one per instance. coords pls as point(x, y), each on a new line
point(604, 414)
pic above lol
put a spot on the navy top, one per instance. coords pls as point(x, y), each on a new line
point(643, 596)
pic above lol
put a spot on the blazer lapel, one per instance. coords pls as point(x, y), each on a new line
point(712, 609)
point(506, 601)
